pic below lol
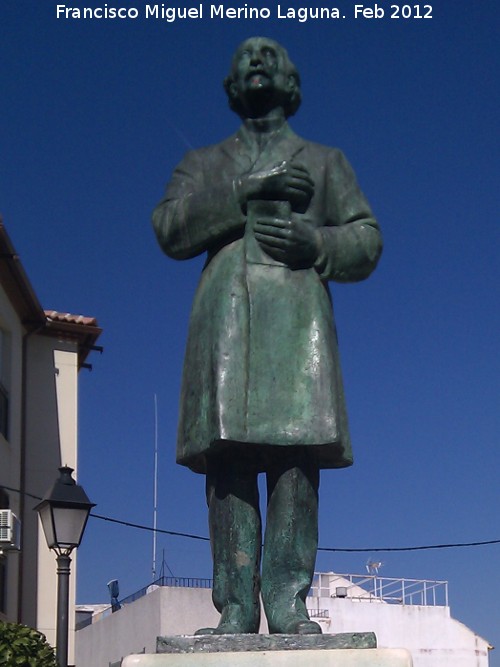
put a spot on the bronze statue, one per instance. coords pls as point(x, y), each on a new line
point(262, 390)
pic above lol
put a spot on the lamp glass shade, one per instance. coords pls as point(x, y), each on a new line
point(45, 512)
point(69, 525)
point(63, 526)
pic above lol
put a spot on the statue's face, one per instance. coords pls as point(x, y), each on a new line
point(259, 76)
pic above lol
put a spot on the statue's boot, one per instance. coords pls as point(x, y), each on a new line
point(235, 535)
point(235, 619)
point(290, 545)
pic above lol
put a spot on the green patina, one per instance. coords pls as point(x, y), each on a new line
point(279, 217)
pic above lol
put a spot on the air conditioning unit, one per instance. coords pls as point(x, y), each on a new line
point(10, 531)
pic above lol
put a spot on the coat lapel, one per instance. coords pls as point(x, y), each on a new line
point(283, 145)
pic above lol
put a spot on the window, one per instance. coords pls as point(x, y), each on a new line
point(4, 412)
point(4, 383)
point(4, 505)
point(3, 584)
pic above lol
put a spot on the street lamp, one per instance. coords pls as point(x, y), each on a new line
point(64, 511)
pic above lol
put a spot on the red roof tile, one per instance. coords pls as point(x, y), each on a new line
point(55, 316)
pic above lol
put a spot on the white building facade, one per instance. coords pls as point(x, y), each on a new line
point(41, 353)
point(403, 613)
point(408, 613)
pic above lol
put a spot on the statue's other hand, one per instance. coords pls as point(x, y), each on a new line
point(287, 181)
point(294, 242)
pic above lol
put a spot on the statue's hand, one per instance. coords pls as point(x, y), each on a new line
point(288, 181)
point(294, 242)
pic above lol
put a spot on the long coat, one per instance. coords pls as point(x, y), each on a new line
point(262, 365)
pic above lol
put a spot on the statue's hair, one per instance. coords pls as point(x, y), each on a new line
point(292, 99)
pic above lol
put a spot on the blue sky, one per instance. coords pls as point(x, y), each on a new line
point(95, 116)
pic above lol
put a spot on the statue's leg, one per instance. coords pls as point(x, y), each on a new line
point(235, 535)
point(290, 544)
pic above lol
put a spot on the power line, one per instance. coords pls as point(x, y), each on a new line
point(157, 530)
point(420, 548)
point(426, 547)
point(336, 549)
point(21, 493)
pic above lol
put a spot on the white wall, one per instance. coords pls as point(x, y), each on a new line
point(51, 441)
point(429, 633)
point(432, 636)
point(135, 627)
point(10, 450)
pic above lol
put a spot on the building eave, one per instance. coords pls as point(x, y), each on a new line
point(17, 286)
point(84, 331)
point(78, 328)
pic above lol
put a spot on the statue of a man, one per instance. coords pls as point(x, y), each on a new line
point(262, 391)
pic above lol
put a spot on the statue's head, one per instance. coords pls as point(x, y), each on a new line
point(262, 78)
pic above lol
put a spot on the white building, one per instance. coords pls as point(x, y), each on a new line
point(41, 353)
point(403, 613)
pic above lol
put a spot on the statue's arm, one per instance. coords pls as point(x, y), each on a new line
point(200, 210)
point(350, 243)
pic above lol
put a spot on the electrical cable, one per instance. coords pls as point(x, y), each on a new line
point(336, 549)
point(455, 545)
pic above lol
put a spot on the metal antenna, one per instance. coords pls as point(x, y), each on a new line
point(373, 566)
point(155, 488)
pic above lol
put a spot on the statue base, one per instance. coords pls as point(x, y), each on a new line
point(340, 650)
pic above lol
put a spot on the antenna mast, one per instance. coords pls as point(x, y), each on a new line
point(155, 488)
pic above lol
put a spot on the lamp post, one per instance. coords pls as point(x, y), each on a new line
point(64, 511)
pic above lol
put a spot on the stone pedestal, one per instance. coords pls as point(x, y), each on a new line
point(371, 657)
point(238, 643)
point(341, 650)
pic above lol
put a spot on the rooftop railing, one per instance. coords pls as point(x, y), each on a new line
point(173, 582)
point(373, 588)
point(356, 587)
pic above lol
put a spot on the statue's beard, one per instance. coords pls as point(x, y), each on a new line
point(260, 100)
